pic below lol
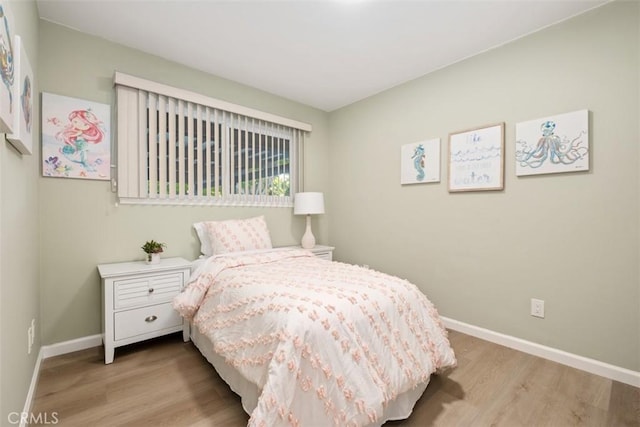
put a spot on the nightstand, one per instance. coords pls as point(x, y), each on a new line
point(136, 301)
point(324, 252)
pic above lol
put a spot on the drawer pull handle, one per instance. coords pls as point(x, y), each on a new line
point(150, 290)
point(150, 319)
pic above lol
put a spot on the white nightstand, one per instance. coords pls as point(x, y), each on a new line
point(324, 252)
point(136, 301)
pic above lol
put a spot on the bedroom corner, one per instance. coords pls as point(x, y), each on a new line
point(569, 239)
point(86, 225)
point(19, 252)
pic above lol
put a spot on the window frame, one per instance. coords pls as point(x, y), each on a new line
point(130, 178)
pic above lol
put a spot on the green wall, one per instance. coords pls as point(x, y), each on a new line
point(569, 239)
point(81, 226)
point(19, 274)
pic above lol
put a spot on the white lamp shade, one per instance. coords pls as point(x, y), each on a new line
point(308, 204)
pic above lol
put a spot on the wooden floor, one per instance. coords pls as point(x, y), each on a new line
point(166, 382)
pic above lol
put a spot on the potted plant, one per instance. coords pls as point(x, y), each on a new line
point(153, 250)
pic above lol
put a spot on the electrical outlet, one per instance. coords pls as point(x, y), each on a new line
point(537, 307)
point(33, 331)
point(31, 334)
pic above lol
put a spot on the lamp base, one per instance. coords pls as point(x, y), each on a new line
point(308, 240)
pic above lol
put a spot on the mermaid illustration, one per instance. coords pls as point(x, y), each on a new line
point(6, 58)
point(418, 161)
point(84, 128)
point(550, 146)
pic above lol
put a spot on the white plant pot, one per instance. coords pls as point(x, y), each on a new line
point(153, 258)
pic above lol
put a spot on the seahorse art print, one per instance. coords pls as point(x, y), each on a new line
point(420, 162)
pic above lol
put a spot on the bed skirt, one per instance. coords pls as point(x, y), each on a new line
point(399, 409)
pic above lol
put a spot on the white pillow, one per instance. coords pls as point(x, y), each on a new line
point(203, 235)
point(235, 235)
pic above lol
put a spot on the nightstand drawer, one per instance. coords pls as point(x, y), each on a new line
point(320, 251)
point(145, 320)
point(146, 290)
point(324, 255)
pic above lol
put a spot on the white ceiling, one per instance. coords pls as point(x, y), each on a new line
point(326, 54)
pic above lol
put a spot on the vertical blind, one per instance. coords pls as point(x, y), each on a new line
point(178, 147)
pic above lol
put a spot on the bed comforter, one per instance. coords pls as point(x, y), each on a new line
point(328, 343)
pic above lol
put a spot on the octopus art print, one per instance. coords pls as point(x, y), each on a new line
point(559, 144)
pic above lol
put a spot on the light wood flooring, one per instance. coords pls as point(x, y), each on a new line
point(165, 382)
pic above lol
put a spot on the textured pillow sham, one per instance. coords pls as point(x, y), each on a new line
point(237, 235)
point(203, 234)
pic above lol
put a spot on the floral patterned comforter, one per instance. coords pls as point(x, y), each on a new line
point(328, 343)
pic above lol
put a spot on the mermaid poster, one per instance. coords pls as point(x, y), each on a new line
point(420, 162)
point(76, 138)
point(553, 144)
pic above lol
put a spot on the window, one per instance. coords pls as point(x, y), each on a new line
point(178, 147)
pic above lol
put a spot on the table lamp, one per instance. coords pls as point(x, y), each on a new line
point(308, 204)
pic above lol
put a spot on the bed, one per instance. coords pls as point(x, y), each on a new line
point(310, 342)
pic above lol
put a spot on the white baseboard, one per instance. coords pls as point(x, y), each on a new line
point(71, 346)
point(47, 351)
point(31, 393)
point(592, 366)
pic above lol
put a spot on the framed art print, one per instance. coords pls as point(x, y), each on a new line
point(553, 144)
point(476, 159)
point(76, 138)
point(420, 162)
point(7, 72)
point(21, 138)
